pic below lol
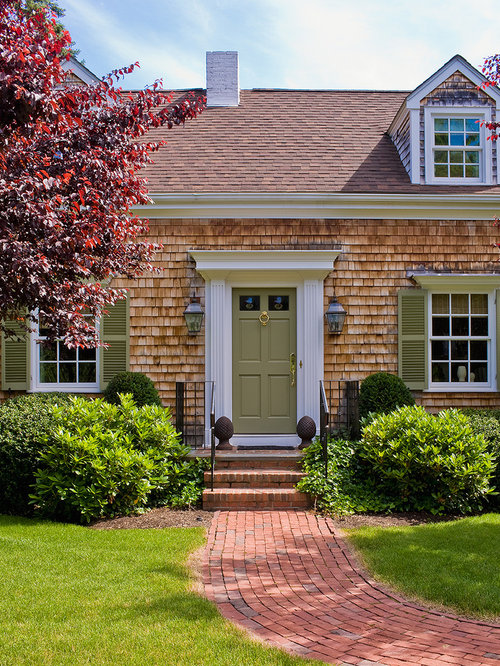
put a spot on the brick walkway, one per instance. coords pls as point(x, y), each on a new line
point(289, 578)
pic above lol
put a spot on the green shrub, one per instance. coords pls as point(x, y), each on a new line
point(24, 423)
point(487, 422)
point(382, 393)
point(105, 460)
point(138, 385)
point(425, 462)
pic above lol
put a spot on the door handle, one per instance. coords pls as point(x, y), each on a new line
point(293, 369)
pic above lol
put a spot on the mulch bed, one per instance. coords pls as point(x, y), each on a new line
point(165, 517)
point(157, 519)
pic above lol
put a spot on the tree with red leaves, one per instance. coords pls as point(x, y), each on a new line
point(70, 158)
point(491, 70)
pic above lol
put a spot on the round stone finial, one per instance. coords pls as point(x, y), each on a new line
point(306, 429)
point(224, 430)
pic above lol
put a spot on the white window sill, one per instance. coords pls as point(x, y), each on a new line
point(456, 388)
point(456, 181)
point(58, 388)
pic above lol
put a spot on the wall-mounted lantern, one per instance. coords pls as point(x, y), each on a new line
point(193, 315)
point(335, 316)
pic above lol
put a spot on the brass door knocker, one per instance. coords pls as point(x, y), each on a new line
point(264, 318)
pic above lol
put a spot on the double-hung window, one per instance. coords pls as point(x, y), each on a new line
point(460, 340)
point(456, 150)
point(56, 367)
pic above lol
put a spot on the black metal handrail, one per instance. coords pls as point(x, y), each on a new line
point(212, 436)
point(324, 423)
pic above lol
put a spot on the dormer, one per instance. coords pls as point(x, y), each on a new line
point(438, 130)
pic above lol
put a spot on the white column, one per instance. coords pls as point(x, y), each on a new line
point(313, 347)
point(217, 343)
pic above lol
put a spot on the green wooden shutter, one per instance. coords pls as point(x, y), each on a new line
point(115, 332)
point(15, 359)
point(412, 337)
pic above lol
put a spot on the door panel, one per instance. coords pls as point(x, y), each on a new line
point(250, 395)
point(278, 395)
point(264, 391)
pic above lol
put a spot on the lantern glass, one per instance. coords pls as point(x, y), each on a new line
point(193, 315)
point(335, 316)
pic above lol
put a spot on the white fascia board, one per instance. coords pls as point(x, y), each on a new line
point(456, 63)
point(321, 206)
point(445, 281)
point(398, 119)
point(80, 71)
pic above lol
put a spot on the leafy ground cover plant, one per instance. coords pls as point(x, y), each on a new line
point(330, 493)
point(382, 393)
point(140, 386)
point(106, 460)
point(25, 421)
point(425, 462)
point(346, 489)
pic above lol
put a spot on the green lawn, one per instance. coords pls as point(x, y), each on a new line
point(452, 563)
point(71, 595)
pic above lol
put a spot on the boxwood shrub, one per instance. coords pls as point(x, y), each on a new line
point(425, 462)
point(382, 393)
point(140, 387)
point(105, 460)
point(25, 421)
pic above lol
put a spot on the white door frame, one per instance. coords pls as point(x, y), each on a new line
point(305, 270)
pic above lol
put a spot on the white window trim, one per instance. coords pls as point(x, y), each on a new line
point(41, 387)
point(485, 147)
point(465, 387)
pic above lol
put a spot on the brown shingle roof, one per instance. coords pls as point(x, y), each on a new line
point(289, 141)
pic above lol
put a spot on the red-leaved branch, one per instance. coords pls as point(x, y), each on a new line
point(70, 158)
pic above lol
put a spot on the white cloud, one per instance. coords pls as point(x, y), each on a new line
point(122, 41)
point(391, 44)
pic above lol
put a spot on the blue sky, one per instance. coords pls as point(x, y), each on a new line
point(369, 44)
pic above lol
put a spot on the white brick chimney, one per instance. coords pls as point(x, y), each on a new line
point(223, 88)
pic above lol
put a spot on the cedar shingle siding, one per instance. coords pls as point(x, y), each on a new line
point(368, 274)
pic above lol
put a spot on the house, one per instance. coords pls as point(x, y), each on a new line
point(274, 203)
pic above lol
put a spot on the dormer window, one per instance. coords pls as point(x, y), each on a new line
point(456, 151)
point(457, 148)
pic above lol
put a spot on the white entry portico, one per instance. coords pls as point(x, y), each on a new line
point(304, 270)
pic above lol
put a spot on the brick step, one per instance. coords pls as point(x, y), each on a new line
point(254, 498)
point(250, 478)
point(268, 461)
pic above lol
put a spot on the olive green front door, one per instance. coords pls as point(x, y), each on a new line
point(264, 361)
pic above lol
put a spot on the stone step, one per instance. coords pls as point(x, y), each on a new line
point(254, 498)
point(251, 478)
